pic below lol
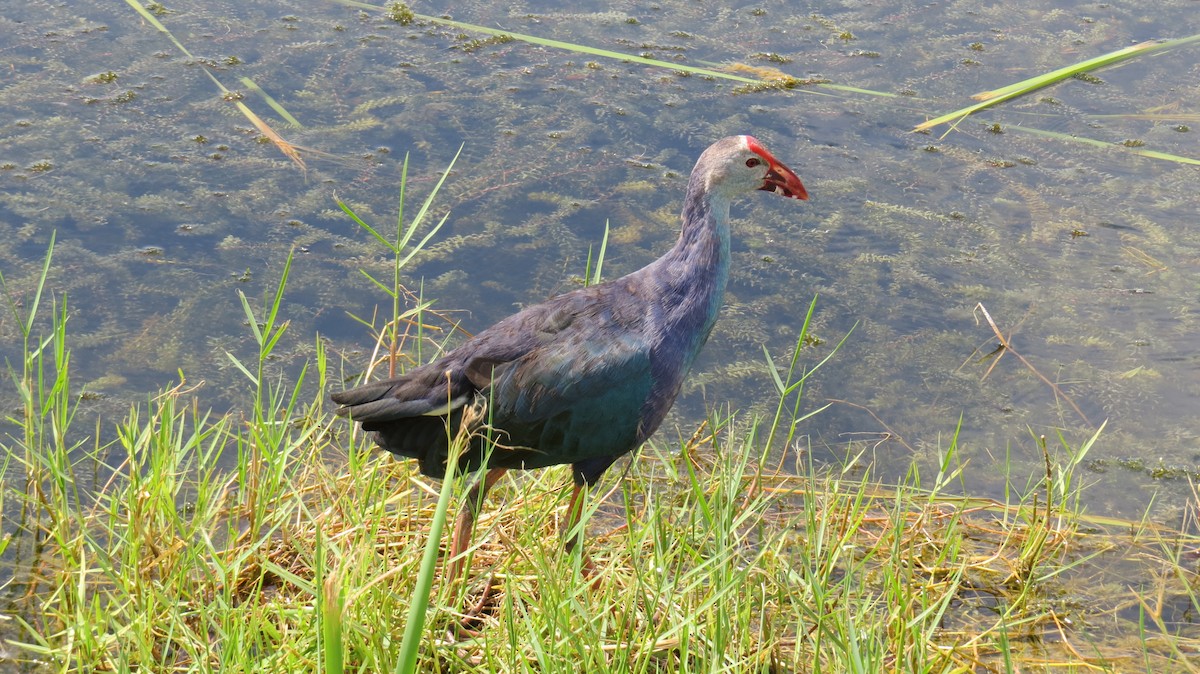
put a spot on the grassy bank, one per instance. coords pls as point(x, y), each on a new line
point(304, 553)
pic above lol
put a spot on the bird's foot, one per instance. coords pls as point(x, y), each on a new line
point(476, 613)
point(590, 572)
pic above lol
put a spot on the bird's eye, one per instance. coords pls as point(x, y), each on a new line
point(753, 161)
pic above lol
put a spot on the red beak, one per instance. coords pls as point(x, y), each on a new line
point(779, 179)
point(782, 181)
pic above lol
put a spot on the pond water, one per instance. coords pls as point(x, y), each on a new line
point(166, 201)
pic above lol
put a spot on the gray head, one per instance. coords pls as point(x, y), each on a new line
point(739, 165)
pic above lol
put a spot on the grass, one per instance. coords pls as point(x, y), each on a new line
point(278, 540)
point(988, 99)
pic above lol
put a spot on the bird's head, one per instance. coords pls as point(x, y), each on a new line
point(740, 164)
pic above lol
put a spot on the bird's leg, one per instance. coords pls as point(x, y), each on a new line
point(466, 521)
point(571, 537)
point(463, 529)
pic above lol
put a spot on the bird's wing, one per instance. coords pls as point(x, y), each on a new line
point(585, 350)
point(577, 361)
point(430, 390)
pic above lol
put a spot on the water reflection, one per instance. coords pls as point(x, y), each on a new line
point(167, 201)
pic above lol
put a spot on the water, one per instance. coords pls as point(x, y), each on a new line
point(166, 203)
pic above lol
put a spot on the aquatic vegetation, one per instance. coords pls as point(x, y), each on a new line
point(400, 13)
point(1085, 252)
point(1079, 71)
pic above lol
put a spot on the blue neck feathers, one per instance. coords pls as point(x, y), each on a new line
point(693, 274)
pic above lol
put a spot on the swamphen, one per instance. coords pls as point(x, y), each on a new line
point(586, 376)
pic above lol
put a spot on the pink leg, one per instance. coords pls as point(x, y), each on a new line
point(466, 522)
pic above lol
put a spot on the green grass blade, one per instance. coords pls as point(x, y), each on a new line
point(771, 368)
point(153, 21)
point(592, 270)
point(1025, 86)
point(273, 310)
point(270, 100)
point(1143, 152)
point(331, 601)
point(424, 240)
point(400, 209)
point(559, 44)
point(238, 364)
point(359, 221)
point(609, 54)
point(419, 604)
point(990, 98)
point(379, 284)
point(250, 318)
point(1028, 85)
point(408, 234)
point(285, 147)
point(41, 284)
point(600, 256)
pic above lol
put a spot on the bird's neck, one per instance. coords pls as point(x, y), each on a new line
point(703, 245)
point(695, 271)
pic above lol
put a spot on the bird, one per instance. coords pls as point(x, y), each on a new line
point(583, 378)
